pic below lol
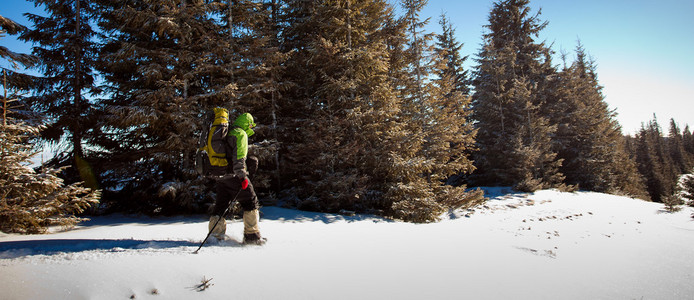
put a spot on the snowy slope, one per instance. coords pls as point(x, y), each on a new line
point(546, 245)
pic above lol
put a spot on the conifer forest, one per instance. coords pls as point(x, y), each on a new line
point(359, 109)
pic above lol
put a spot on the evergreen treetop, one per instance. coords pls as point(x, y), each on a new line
point(510, 81)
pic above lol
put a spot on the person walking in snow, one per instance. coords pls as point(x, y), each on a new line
point(235, 181)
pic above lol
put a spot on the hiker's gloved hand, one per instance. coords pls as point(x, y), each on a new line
point(244, 183)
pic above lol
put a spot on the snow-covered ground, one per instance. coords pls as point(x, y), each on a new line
point(546, 245)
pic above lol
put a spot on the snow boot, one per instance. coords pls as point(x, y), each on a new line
point(251, 232)
point(253, 239)
point(220, 230)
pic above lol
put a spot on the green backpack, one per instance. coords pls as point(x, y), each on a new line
point(210, 158)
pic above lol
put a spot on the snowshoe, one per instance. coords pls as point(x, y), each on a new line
point(219, 236)
point(253, 239)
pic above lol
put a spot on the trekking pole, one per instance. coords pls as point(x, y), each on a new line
point(221, 217)
point(228, 207)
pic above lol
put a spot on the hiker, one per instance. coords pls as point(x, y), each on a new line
point(235, 181)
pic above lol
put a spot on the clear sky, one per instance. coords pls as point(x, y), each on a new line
point(644, 49)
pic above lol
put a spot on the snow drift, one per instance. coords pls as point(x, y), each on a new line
point(545, 245)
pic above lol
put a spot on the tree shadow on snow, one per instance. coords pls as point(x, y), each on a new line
point(16, 249)
point(120, 219)
point(501, 192)
point(299, 216)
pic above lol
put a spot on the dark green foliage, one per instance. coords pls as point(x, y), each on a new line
point(360, 109)
point(681, 160)
point(30, 200)
point(688, 142)
point(660, 160)
point(363, 141)
point(14, 83)
point(437, 113)
point(8, 26)
point(448, 50)
point(686, 188)
point(64, 43)
point(340, 151)
point(672, 203)
point(510, 82)
point(165, 66)
point(588, 138)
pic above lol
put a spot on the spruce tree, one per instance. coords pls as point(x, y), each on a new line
point(448, 49)
point(588, 138)
point(688, 142)
point(418, 50)
point(14, 82)
point(396, 39)
point(678, 154)
point(165, 67)
point(654, 163)
point(30, 200)
point(514, 137)
point(647, 165)
point(436, 111)
point(450, 138)
point(295, 24)
point(355, 148)
point(64, 43)
point(412, 198)
point(33, 200)
point(686, 187)
point(662, 152)
point(8, 26)
point(339, 151)
point(253, 29)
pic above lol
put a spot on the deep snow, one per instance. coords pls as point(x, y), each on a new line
point(545, 245)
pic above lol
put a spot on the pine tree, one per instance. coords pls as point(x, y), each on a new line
point(396, 39)
point(688, 142)
point(678, 154)
point(13, 81)
point(514, 137)
point(355, 147)
point(436, 111)
point(450, 138)
point(647, 165)
point(295, 25)
point(419, 47)
point(654, 163)
point(686, 187)
point(30, 200)
point(8, 26)
point(272, 86)
point(448, 49)
point(250, 54)
point(165, 67)
point(64, 43)
point(411, 196)
point(588, 137)
point(348, 107)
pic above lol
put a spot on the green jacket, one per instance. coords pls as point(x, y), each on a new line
point(237, 140)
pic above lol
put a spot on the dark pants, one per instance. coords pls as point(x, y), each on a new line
point(228, 186)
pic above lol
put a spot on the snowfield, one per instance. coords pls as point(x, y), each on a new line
point(545, 245)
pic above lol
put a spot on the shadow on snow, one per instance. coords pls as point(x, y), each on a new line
point(16, 249)
point(291, 215)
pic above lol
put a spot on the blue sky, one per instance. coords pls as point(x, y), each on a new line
point(643, 49)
